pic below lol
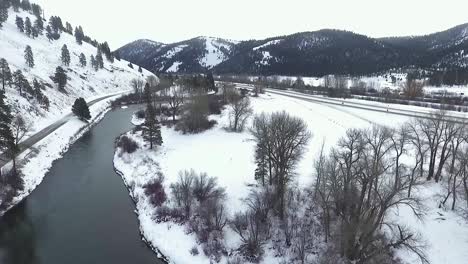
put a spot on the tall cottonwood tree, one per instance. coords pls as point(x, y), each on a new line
point(283, 139)
point(358, 184)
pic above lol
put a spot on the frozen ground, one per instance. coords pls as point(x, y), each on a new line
point(229, 157)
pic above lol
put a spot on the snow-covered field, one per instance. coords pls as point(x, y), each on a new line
point(229, 157)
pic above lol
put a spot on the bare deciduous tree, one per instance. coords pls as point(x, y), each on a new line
point(137, 85)
point(284, 139)
point(413, 88)
point(361, 181)
point(239, 112)
point(175, 98)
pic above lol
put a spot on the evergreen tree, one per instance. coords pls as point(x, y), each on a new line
point(151, 128)
point(65, 56)
point(56, 27)
point(105, 49)
point(28, 27)
point(94, 64)
point(261, 172)
point(49, 33)
point(99, 59)
point(140, 69)
point(37, 10)
point(117, 55)
point(20, 23)
point(5, 73)
point(130, 65)
point(3, 12)
point(27, 87)
point(38, 90)
point(16, 5)
point(26, 5)
point(60, 78)
point(79, 35)
point(80, 109)
point(34, 33)
point(6, 135)
point(39, 25)
point(18, 80)
point(68, 28)
point(210, 81)
point(29, 56)
point(82, 60)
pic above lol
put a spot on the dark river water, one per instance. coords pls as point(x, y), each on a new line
point(81, 213)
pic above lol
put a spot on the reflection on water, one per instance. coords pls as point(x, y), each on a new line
point(17, 237)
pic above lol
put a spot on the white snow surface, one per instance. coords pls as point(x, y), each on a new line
point(230, 159)
point(214, 55)
point(174, 67)
point(269, 43)
point(82, 82)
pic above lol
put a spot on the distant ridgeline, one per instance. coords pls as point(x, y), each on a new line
point(316, 53)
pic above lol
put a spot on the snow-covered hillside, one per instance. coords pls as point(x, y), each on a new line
point(193, 55)
point(216, 52)
point(82, 81)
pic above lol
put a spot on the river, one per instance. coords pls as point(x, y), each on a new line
point(81, 212)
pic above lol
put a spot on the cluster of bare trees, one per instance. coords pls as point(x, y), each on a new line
point(442, 143)
point(197, 201)
point(371, 172)
point(357, 186)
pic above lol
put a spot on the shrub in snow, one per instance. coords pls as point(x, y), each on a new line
point(214, 247)
point(195, 117)
point(205, 187)
point(127, 144)
point(235, 260)
point(215, 104)
point(155, 191)
point(194, 251)
point(182, 191)
point(13, 179)
point(165, 214)
point(253, 234)
point(140, 114)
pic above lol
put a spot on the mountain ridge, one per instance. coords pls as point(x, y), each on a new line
point(317, 53)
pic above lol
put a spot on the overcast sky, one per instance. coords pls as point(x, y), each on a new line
point(120, 22)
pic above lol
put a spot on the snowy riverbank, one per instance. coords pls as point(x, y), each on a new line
point(35, 162)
